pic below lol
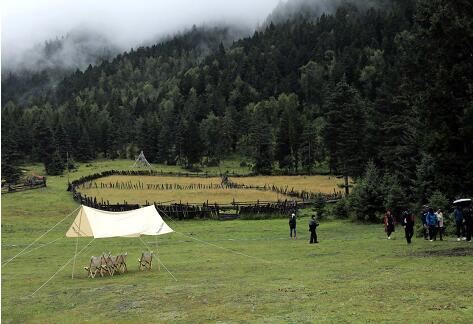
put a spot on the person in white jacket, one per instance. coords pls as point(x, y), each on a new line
point(440, 223)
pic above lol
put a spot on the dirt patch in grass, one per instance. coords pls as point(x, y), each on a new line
point(454, 252)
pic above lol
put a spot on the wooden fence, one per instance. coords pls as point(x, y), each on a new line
point(9, 188)
point(195, 211)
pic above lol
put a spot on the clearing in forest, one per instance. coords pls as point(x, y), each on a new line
point(197, 190)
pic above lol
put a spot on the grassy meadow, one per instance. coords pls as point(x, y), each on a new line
point(230, 271)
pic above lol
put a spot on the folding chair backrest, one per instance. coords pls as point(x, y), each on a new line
point(96, 262)
point(95, 266)
point(147, 257)
point(145, 262)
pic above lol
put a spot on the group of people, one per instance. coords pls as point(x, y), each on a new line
point(432, 223)
point(312, 228)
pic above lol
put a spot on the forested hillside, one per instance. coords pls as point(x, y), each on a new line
point(388, 87)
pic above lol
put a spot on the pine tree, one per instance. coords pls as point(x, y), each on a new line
point(62, 142)
point(366, 200)
point(345, 129)
point(262, 141)
point(10, 158)
point(84, 151)
point(47, 150)
point(56, 165)
point(192, 147)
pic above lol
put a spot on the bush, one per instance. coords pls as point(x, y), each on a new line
point(438, 201)
point(319, 206)
point(340, 209)
point(366, 199)
point(394, 197)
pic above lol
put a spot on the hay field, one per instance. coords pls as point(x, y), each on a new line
point(323, 184)
point(315, 183)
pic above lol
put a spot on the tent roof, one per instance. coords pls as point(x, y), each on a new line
point(101, 224)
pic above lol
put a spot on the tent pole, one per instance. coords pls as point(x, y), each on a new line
point(75, 253)
point(157, 253)
point(44, 284)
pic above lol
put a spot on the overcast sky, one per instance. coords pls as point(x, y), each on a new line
point(126, 23)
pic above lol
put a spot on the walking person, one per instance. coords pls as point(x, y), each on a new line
point(440, 224)
point(408, 224)
point(458, 215)
point(292, 225)
point(431, 220)
point(388, 223)
point(312, 229)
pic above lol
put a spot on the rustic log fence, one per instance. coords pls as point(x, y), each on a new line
point(181, 211)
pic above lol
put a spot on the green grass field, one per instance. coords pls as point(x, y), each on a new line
point(353, 275)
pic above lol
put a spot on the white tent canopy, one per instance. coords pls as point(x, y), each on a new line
point(91, 222)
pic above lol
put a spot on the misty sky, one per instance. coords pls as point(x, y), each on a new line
point(126, 23)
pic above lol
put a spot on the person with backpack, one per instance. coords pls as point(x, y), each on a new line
point(425, 227)
point(408, 224)
point(431, 220)
point(292, 225)
point(389, 223)
point(312, 229)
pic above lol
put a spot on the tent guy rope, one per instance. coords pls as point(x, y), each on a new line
point(69, 261)
point(159, 260)
point(26, 248)
point(211, 244)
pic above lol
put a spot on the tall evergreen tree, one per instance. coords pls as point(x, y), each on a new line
point(345, 129)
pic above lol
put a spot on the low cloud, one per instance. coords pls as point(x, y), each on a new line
point(115, 24)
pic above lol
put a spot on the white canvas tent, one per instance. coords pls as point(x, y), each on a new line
point(96, 223)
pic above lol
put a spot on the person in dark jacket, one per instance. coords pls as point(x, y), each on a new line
point(408, 224)
point(431, 220)
point(468, 217)
point(457, 213)
point(425, 227)
point(292, 225)
point(388, 223)
point(312, 229)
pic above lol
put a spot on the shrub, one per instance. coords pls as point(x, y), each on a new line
point(319, 206)
point(366, 199)
point(438, 201)
point(393, 195)
point(340, 209)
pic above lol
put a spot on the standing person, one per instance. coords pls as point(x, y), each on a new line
point(457, 213)
point(292, 225)
point(408, 224)
point(431, 220)
point(312, 229)
point(425, 227)
point(440, 226)
point(468, 217)
point(388, 223)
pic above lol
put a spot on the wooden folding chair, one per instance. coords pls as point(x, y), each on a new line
point(121, 263)
point(96, 265)
point(109, 263)
point(145, 262)
point(118, 263)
